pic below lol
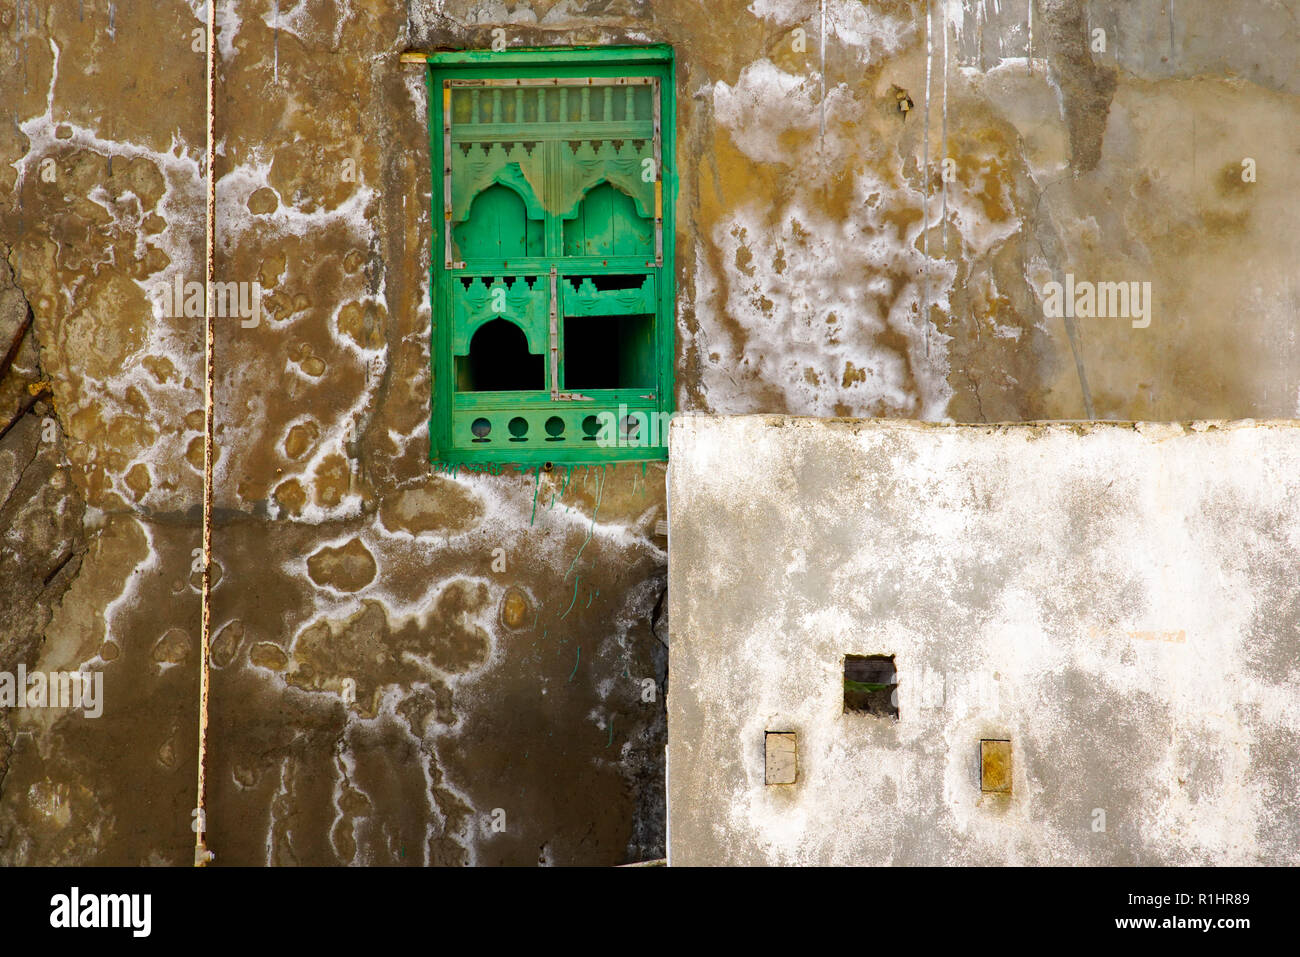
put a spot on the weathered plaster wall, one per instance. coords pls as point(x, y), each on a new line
point(824, 269)
point(1116, 600)
point(397, 654)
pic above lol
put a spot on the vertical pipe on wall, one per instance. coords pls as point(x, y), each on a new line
point(822, 134)
point(925, 180)
point(201, 853)
point(943, 136)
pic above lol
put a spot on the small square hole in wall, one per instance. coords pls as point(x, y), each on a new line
point(782, 761)
point(870, 683)
point(995, 766)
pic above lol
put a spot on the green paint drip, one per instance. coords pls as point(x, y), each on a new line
point(611, 732)
point(536, 488)
point(600, 492)
point(575, 663)
point(575, 597)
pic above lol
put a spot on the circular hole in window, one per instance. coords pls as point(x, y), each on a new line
point(480, 427)
point(591, 425)
point(631, 426)
point(554, 426)
point(518, 427)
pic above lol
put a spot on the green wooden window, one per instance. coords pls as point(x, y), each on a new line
point(552, 271)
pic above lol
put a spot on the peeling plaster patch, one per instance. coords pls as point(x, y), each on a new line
point(1031, 102)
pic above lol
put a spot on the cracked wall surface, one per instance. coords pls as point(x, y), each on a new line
point(381, 685)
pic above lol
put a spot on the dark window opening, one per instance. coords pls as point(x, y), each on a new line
point(499, 361)
point(611, 281)
point(871, 685)
point(609, 352)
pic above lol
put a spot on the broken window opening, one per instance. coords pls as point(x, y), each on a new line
point(871, 685)
point(608, 352)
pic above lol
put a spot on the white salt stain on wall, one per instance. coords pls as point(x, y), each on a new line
point(340, 424)
point(766, 104)
point(182, 195)
point(236, 186)
point(227, 22)
point(832, 314)
point(509, 512)
point(297, 18)
point(849, 22)
point(805, 288)
point(334, 607)
point(805, 326)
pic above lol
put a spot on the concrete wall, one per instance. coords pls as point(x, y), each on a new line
point(1117, 601)
point(824, 268)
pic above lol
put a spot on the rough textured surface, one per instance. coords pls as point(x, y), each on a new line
point(381, 688)
point(1113, 600)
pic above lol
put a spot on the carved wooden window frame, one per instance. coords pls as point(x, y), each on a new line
point(551, 125)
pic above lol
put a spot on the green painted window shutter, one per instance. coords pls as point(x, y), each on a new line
point(552, 273)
